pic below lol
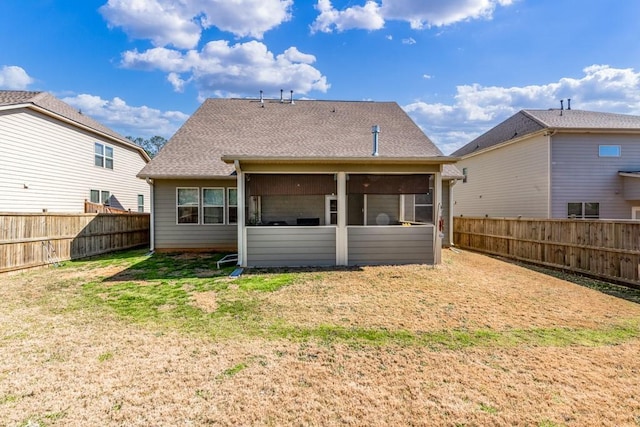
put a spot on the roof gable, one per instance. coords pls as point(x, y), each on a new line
point(304, 129)
point(526, 122)
point(54, 105)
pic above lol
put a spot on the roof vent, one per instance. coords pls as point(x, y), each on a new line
point(292, 98)
point(375, 130)
point(281, 96)
point(569, 104)
point(261, 100)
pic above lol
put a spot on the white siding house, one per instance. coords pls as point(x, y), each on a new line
point(53, 158)
point(553, 164)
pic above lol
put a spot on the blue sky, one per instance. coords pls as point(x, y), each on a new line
point(458, 67)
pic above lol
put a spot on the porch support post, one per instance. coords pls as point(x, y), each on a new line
point(437, 239)
point(342, 244)
point(242, 243)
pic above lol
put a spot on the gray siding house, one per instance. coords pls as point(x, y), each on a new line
point(53, 158)
point(553, 164)
point(301, 183)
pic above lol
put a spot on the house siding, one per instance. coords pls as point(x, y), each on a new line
point(506, 182)
point(172, 236)
point(291, 246)
point(48, 164)
point(391, 245)
point(580, 175)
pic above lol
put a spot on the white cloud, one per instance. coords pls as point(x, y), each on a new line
point(14, 78)
point(180, 23)
point(477, 108)
point(128, 120)
point(366, 17)
point(409, 41)
point(427, 76)
point(224, 69)
point(419, 14)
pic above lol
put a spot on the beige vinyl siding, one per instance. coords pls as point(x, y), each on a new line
point(170, 235)
point(290, 208)
point(391, 245)
point(282, 246)
point(48, 164)
point(580, 175)
point(509, 181)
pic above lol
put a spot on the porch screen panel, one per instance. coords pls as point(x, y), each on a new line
point(290, 185)
point(388, 184)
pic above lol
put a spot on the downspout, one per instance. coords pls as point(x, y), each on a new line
point(549, 177)
point(241, 210)
point(452, 183)
point(152, 240)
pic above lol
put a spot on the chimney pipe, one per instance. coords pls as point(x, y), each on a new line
point(375, 130)
point(292, 98)
point(281, 99)
point(562, 104)
point(261, 98)
point(569, 104)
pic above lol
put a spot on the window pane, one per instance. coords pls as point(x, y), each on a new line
point(99, 149)
point(95, 196)
point(233, 215)
point(574, 210)
point(609, 151)
point(213, 197)
point(188, 215)
point(99, 160)
point(424, 214)
point(108, 163)
point(188, 196)
point(140, 203)
point(108, 151)
point(424, 199)
point(233, 197)
point(104, 196)
point(592, 210)
point(213, 215)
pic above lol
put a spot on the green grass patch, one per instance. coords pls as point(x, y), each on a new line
point(233, 370)
point(266, 282)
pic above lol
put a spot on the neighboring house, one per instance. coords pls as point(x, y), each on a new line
point(299, 183)
point(553, 164)
point(53, 158)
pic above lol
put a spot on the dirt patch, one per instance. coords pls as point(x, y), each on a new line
point(61, 364)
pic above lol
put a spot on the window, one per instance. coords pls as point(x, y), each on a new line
point(103, 156)
point(104, 197)
point(423, 206)
point(586, 210)
point(232, 205)
point(464, 173)
point(213, 205)
point(188, 204)
point(609, 151)
point(140, 202)
point(94, 196)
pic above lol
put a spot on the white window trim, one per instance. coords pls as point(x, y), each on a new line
point(103, 155)
point(224, 205)
point(635, 210)
point(141, 205)
point(179, 206)
point(327, 209)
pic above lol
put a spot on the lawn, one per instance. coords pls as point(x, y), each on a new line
point(170, 340)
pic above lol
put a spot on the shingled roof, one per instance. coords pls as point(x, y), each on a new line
point(272, 128)
point(527, 122)
point(46, 101)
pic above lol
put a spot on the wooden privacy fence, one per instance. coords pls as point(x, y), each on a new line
point(32, 240)
point(606, 249)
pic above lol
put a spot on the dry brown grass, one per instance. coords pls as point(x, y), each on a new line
point(62, 365)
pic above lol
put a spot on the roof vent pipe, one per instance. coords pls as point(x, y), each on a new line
point(562, 104)
point(281, 98)
point(569, 104)
point(261, 99)
point(375, 130)
point(292, 98)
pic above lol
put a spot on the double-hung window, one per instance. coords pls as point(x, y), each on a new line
point(232, 205)
point(103, 156)
point(140, 202)
point(99, 196)
point(188, 205)
point(213, 205)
